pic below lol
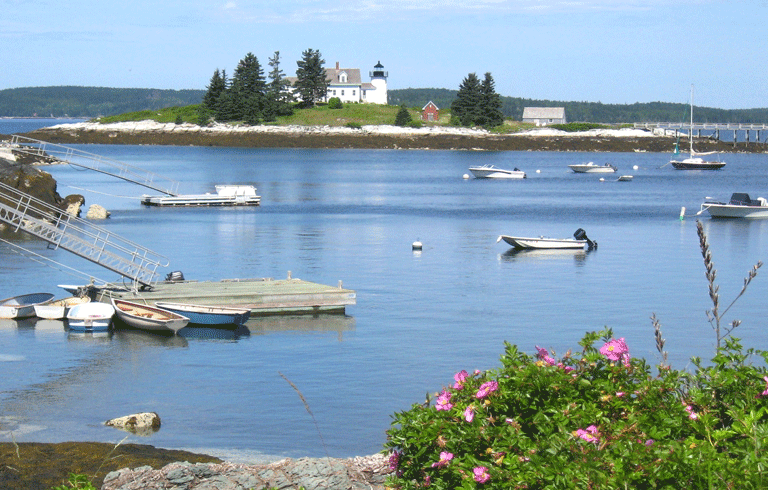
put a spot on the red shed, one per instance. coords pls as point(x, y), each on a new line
point(430, 112)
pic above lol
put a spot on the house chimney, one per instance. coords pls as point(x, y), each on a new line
point(337, 65)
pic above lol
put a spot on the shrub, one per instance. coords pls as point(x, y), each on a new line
point(596, 419)
point(354, 125)
point(403, 117)
point(335, 103)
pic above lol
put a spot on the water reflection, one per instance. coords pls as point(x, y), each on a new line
point(302, 324)
point(230, 332)
point(513, 255)
point(139, 339)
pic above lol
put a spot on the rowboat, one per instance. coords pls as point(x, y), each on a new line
point(493, 172)
point(740, 206)
point(22, 306)
point(147, 317)
point(57, 310)
point(208, 315)
point(579, 241)
point(90, 317)
point(592, 168)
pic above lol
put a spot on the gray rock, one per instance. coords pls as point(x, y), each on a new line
point(142, 424)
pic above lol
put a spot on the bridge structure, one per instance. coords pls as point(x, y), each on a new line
point(91, 161)
point(715, 128)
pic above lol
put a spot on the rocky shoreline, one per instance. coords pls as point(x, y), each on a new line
point(372, 137)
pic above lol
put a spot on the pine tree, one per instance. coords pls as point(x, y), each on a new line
point(403, 117)
point(215, 89)
point(311, 83)
point(279, 97)
point(489, 113)
point(466, 105)
point(248, 89)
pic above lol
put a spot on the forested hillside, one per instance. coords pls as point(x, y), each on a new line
point(100, 101)
point(512, 107)
point(89, 101)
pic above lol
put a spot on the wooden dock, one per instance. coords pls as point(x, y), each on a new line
point(263, 296)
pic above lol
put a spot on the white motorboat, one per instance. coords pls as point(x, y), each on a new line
point(694, 162)
point(90, 317)
point(147, 317)
point(592, 168)
point(226, 195)
point(624, 178)
point(493, 172)
point(579, 241)
point(740, 206)
point(23, 306)
point(58, 309)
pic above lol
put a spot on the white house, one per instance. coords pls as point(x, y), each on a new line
point(348, 86)
point(543, 116)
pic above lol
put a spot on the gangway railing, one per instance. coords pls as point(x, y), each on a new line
point(27, 213)
point(95, 162)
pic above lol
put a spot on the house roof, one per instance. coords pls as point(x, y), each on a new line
point(427, 105)
point(353, 76)
point(543, 112)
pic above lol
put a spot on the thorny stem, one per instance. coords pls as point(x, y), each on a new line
point(659, 340)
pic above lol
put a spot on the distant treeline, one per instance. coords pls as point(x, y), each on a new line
point(90, 101)
point(100, 101)
point(512, 107)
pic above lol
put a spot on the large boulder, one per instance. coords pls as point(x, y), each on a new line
point(97, 212)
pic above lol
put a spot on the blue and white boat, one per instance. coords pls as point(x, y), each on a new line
point(208, 315)
point(90, 317)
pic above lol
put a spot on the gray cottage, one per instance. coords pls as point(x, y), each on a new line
point(544, 116)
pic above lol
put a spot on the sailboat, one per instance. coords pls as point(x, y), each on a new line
point(694, 162)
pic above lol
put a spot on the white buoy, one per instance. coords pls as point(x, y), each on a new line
point(466, 176)
point(682, 213)
point(634, 167)
point(416, 245)
point(602, 179)
point(538, 171)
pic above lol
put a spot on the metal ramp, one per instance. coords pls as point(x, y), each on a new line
point(91, 161)
point(91, 242)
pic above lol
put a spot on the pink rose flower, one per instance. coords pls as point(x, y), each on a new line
point(460, 378)
point(445, 458)
point(481, 474)
point(486, 389)
point(444, 401)
point(469, 413)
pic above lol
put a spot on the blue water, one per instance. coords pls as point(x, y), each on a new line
point(352, 215)
point(24, 125)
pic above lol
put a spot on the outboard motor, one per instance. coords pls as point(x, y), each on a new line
point(580, 234)
point(174, 276)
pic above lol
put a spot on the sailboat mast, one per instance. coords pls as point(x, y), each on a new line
point(690, 134)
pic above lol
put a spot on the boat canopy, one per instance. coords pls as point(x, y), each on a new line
point(742, 199)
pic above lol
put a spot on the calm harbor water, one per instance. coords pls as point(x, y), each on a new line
point(352, 215)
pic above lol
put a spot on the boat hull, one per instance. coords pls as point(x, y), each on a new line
point(696, 164)
point(735, 211)
point(592, 169)
point(543, 243)
point(147, 317)
point(90, 317)
point(22, 306)
point(208, 315)
point(491, 172)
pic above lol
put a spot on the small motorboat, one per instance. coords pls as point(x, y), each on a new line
point(592, 168)
point(740, 206)
point(90, 317)
point(208, 315)
point(147, 317)
point(493, 172)
point(23, 306)
point(624, 178)
point(579, 241)
point(58, 309)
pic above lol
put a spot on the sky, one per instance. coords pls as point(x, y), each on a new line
point(609, 51)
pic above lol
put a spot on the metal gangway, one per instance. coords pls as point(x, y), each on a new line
point(62, 230)
point(91, 161)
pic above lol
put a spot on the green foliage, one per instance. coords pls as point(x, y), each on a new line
point(189, 114)
point(465, 108)
point(76, 481)
point(354, 125)
point(576, 127)
point(311, 83)
point(595, 419)
point(335, 103)
point(403, 117)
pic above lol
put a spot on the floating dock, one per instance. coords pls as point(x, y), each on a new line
point(263, 296)
point(226, 195)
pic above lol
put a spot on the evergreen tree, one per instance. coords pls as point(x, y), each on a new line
point(311, 83)
point(215, 89)
point(279, 97)
point(467, 103)
point(489, 114)
point(248, 89)
point(403, 117)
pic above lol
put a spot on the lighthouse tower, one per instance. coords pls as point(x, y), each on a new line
point(379, 81)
